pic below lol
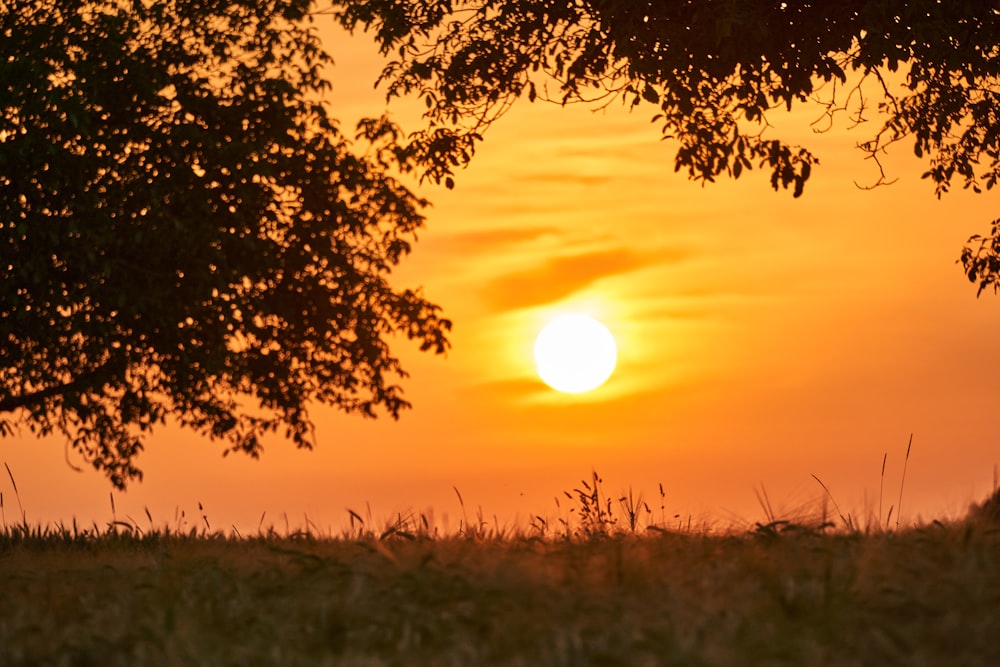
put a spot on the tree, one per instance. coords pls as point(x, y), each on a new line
point(185, 232)
point(714, 69)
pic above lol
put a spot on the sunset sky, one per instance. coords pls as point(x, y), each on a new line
point(762, 340)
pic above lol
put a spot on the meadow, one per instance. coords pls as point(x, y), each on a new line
point(608, 584)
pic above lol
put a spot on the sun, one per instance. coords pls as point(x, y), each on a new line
point(575, 353)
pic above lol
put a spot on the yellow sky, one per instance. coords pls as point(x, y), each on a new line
point(762, 339)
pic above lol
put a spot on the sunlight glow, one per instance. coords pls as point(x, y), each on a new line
point(575, 353)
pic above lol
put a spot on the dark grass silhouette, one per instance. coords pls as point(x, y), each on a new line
point(608, 582)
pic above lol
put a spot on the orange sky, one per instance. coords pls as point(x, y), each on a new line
point(762, 339)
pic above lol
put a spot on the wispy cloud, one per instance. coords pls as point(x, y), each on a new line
point(496, 238)
point(565, 178)
point(561, 276)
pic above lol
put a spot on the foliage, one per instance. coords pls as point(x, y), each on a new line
point(713, 69)
point(185, 232)
point(982, 263)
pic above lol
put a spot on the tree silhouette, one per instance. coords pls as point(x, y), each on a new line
point(714, 69)
point(185, 232)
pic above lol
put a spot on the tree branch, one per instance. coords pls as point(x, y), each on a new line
point(32, 398)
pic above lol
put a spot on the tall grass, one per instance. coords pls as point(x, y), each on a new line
point(400, 593)
point(607, 581)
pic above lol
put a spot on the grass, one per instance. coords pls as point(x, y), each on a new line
point(608, 583)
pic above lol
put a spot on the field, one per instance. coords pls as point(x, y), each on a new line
point(598, 591)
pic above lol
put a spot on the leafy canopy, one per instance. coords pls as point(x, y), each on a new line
point(714, 69)
point(185, 232)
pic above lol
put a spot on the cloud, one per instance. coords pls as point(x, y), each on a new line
point(494, 238)
point(505, 392)
point(565, 178)
point(561, 276)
